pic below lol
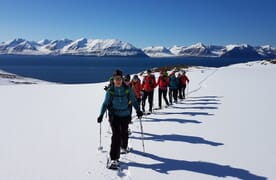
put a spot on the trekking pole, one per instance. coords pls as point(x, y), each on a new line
point(142, 134)
point(100, 147)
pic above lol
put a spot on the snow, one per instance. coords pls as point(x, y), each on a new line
point(224, 130)
point(11, 79)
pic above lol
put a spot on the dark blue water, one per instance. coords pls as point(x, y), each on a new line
point(78, 69)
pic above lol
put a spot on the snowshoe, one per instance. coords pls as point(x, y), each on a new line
point(146, 113)
point(113, 164)
point(125, 151)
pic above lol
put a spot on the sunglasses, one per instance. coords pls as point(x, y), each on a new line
point(118, 79)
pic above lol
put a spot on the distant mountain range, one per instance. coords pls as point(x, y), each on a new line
point(112, 47)
point(201, 50)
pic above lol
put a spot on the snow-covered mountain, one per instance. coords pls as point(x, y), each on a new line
point(243, 50)
point(198, 50)
point(18, 46)
point(99, 47)
point(233, 51)
point(158, 51)
point(266, 51)
point(113, 47)
point(83, 46)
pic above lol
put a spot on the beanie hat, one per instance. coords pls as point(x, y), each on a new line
point(135, 77)
point(118, 73)
point(127, 77)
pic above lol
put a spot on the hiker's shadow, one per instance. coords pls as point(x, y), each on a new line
point(177, 138)
point(164, 165)
point(202, 100)
point(197, 107)
point(181, 121)
point(196, 103)
point(186, 113)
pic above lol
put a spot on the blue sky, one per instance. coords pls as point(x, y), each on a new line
point(142, 22)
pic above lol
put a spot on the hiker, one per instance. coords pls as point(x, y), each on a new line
point(163, 83)
point(116, 100)
point(137, 88)
point(179, 87)
point(127, 83)
point(183, 80)
point(148, 86)
point(173, 86)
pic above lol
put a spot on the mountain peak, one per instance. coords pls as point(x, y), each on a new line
point(115, 47)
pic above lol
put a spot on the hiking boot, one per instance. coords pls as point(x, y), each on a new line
point(113, 164)
point(125, 150)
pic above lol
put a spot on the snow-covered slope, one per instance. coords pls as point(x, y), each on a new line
point(11, 79)
point(225, 129)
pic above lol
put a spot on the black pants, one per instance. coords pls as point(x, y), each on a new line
point(180, 94)
point(119, 126)
point(183, 91)
point(148, 95)
point(172, 94)
point(162, 92)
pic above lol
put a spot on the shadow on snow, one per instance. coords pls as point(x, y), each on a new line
point(196, 107)
point(176, 137)
point(186, 113)
point(181, 121)
point(165, 165)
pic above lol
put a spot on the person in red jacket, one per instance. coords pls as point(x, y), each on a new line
point(137, 88)
point(149, 83)
point(163, 83)
point(183, 83)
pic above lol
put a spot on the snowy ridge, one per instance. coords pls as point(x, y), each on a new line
point(158, 51)
point(201, 50)
point(12, 79)
point(83, 46)
point(113, 47)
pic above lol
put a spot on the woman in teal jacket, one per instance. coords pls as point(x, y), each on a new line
point(173, 87)
point(117, 100)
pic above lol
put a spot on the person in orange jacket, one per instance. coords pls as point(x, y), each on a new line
point(137, 88)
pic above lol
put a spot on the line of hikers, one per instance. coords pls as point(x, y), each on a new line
point(123, 93)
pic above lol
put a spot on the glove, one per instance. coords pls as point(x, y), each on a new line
point(139, 114)
point(100, 119)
